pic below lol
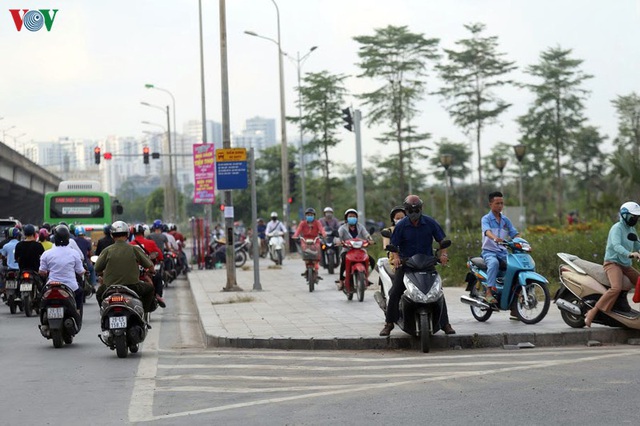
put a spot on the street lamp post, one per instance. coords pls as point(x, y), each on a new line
point(15, 141)
point(520, 151)
point(501, 163)
point(4, 134)
point(283, 125)
point(169, 191)
point(446, 160)
point(299, 61)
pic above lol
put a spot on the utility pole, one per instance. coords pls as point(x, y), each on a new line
point(357, 117)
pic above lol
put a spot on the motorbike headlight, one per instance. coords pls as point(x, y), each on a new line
point(432, 295)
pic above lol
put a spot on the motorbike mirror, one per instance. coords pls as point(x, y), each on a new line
point(94, 258)
point(445, 244)
point(632, 237)
point(385, 233)
point(391, 248)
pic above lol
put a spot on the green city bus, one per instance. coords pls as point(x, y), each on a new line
point(81, 203)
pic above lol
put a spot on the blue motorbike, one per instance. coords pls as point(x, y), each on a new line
point(519, 287)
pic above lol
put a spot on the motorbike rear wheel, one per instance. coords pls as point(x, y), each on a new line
point(539, 301)
point(311, 278)
point(240, 258)
point(480, 314)
point(573, 321)
point(12, 304)
point(56, 336)
point(360, 286)
point(121, 346)
point(28, 305)
point(425, 332)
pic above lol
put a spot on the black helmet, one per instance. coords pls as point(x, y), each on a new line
point(46, 226)
point(395, 210)
point(61, 235)
point(29, 230)
point(412, 202)
point(310, 210)
point(107, 230)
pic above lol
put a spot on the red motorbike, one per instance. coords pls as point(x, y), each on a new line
point(356, 271)
point(310, 249)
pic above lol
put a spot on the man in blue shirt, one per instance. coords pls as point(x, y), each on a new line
point(495, 228)
point(412, 235)
point(8, 252)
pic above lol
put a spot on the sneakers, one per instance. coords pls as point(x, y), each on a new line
point(448, 329)
point(160, 301)
point(388, 326)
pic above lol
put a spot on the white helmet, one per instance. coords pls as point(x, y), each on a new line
point(628, 210)
point(328, 210)
point(147, 230)
point(119, 227)
point(274, 214)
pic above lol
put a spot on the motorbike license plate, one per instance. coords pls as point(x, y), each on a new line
point(26, 287)
point(11, 285)
point(117, 322)
point(55, 313)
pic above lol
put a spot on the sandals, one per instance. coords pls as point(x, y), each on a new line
point(490, 300)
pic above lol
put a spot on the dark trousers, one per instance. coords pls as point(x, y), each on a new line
point(157, 283)
point(397, 289)
point(144, 290)
point(79, 297)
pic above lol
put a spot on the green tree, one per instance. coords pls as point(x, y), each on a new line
point(398, 59)
point(155, 204)
point(589, 162)
point(628, 110)
point(557, 111)
point(471, 74)
point(322, 97)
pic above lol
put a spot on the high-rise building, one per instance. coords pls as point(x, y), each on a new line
point(259, 133)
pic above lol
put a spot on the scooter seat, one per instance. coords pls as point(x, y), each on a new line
point(119, 289)
point(480, 264)
point(596, 271)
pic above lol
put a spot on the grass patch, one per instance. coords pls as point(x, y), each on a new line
point(237, 299)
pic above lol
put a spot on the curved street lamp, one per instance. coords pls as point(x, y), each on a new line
point(501, 163)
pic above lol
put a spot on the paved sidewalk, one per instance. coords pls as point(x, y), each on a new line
point(285, 315)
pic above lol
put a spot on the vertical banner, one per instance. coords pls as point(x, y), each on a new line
point(204, 172)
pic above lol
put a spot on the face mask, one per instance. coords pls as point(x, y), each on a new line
point(274, 219)
point(633, 220)
point(352, 220)
point(414, 216)
point(310, 218)
point(328, 216)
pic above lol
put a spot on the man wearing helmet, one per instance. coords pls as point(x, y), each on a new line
point(28, 252)
point(349, 230)
point(310, 228)
point(105, 241)
point(275, 225)
point(118, 264)
point(413, 235)
point(619, 253)
point(495, 228)
point(329, 220)
point(155, 254)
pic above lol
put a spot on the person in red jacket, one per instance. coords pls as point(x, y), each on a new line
point(310, 228)
point(155, 254)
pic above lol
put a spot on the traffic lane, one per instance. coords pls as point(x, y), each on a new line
point(74, 385)
point(381, 387)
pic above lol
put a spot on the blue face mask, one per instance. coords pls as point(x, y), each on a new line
point(310, 218)
point(352, 220)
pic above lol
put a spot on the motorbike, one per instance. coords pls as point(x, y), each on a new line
point(310, 249)
point(241, 250)
point(582, 283)
point(421, 304)
point(30, 284)
point(169, 271)
point(12, 291)
point(330, 258)
point(276, 246)
point(519, 287)
point(88, 289)
point(123, 320)
point(57, 321)
point(356, 272)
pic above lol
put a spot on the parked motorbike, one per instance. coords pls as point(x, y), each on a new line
point(582, 285)
point(356, 271)
point(241, 250)
point(310, 249)
point(123, 320)
point(421, 304)
point(330, 258)
point(57, 307)
point(276, 246)
point(30, 284)
point(12, 291)
point(519, 287)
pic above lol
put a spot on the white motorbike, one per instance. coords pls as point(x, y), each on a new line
point(276, 246)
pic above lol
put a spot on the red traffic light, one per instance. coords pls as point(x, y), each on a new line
point(107, 156)
point(221, 207)
point(145, 150)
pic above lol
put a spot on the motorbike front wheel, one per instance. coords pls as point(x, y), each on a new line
point(330, 262)
point(311, 278)
point(425, 333)
point(241, 258)
point(573, 321)
point(279, 257)
point(538, 298)
point(360, 286)
point(121, 346)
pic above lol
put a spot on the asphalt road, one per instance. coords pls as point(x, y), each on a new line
point(175, 380)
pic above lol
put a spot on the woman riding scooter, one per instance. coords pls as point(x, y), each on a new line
point(349, 230)
point(619, 253)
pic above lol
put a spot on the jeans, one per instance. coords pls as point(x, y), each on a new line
point(492, 259)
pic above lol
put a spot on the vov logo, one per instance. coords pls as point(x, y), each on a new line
point(33, 20)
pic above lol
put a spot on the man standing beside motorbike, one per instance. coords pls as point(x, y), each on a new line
point(310, 228)
point(495, 228)
point(412, 235)
point(349, 230)
point(118, 264)
point(619, 253)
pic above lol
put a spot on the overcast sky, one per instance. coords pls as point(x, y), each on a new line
point(85, 78)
